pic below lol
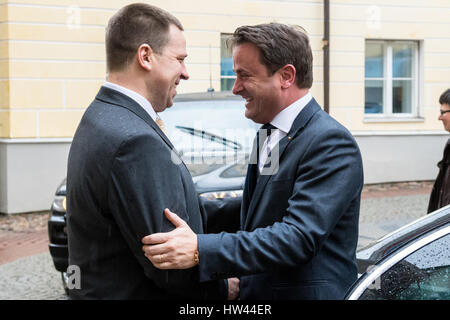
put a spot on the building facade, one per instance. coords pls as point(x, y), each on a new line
point(389, 63)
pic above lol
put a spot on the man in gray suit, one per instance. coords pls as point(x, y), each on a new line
point(120, 170)
point(301, 200)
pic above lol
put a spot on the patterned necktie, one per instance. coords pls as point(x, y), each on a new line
point(270, 129)
point(161, 125)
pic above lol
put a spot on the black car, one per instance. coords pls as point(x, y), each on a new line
point(411, 263)
point(213, 137)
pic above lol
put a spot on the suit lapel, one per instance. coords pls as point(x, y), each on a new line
point(299, 123)
point(114, 97)
point(263, 180)
point(250, 179)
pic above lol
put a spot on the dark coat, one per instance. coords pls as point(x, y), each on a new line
point(300, 225)
point(440, 195)
point(120, 178)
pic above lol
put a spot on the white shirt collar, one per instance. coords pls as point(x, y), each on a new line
point(286, 117)
point(144, 103)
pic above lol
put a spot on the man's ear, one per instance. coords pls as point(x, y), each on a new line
point(287, 76)
point(145, 56)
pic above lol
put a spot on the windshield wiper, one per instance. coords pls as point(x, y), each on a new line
point(212, 137)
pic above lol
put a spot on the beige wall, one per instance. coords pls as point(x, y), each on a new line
point(353, 21)
point(52, 59)
point(4, 85)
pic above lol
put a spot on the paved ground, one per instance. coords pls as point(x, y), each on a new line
point(31, 278)
point(27, 271)
point(385, 208)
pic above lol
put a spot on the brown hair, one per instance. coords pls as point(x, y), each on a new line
point(132, 26)
point(445, 97)
point(279, 45)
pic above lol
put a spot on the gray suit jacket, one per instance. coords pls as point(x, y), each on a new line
point(120, 178)
point(300, 225)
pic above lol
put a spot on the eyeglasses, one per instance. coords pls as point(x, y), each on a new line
point(443, 112)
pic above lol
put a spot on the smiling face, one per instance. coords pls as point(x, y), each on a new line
point(445, 118)
point(168, 69)
point(254, 83)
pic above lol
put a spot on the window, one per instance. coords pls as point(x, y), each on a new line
point(422, 275)
point(391, 78)
point(227, 75)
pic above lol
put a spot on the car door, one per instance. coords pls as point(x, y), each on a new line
point(418, 271)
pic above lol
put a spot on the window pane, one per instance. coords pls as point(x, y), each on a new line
point(401, 96)
point(402, 60)
point(226, 67)
point(423, 275)
point(225, 51)
point(226, 64)
point(374, 60)
point(226, 84)
point(374, 96)
point(226, 57)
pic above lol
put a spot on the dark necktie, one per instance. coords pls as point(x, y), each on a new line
point(253, 173)
point(270, 129)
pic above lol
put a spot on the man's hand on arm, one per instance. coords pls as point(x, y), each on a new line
point(172, 250)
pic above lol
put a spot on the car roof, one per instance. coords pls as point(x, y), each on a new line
point(378, 250)
point(219, 95)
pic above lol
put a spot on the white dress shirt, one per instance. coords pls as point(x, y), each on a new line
point(140, 100)
point(283, 122)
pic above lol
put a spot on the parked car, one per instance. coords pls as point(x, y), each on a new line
point(411, 263)
point(213, 137)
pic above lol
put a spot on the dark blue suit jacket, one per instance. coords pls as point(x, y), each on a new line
point(120, 178)
point(300, 225)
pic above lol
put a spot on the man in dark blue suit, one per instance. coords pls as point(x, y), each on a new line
point(301, 201)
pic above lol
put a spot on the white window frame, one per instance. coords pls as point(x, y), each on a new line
point(388, 79)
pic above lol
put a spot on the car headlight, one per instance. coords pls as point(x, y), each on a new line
point(222, 194)
point(59, 204)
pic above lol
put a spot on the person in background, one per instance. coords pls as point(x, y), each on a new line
point(440, 194)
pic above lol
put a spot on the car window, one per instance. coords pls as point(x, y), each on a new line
point(224, 118)
point(422, 275)
point(238, 170)
point(197, 169)
point(210, 114)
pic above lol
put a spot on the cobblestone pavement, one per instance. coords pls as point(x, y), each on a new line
point(387, 207)
point(31, 278)
point(31, 274)
point(391, 214)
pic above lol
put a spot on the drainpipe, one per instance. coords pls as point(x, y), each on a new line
point(326, 56)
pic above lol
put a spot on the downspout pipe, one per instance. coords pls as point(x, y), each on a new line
point(326, 56)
